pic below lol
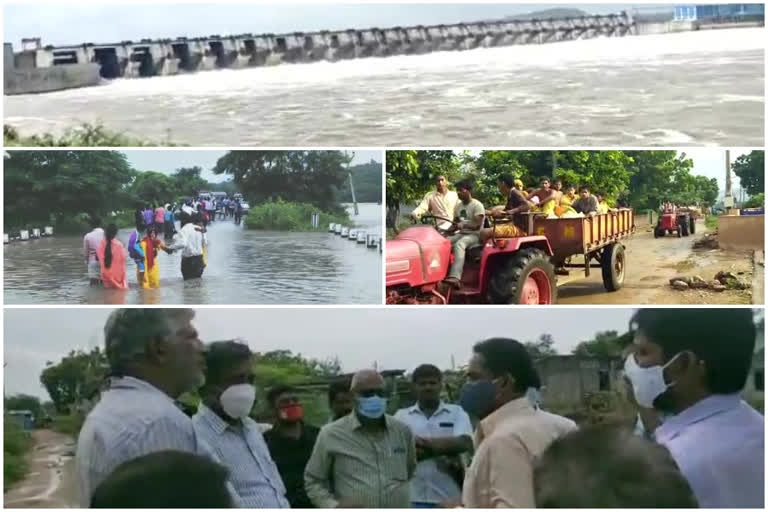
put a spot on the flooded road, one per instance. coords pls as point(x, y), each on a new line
point(244, 267)
point(651, 263)
point(686, 89)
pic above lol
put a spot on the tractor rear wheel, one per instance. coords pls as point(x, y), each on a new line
point(684, 227)
point(613, 263)
point(657, 232)
point(527, 277)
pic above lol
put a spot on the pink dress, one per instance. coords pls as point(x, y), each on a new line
point(115, 275)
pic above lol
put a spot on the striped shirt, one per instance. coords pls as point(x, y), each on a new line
point(132, 419)
point(242, 450)
point(368, 469)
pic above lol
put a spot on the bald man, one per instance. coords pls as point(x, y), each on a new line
point(364, 459)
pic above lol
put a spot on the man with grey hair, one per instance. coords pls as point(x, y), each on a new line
point(364, 459)
point(154, 356)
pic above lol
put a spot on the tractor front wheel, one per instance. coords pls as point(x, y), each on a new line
point(527, 277)
point(679, 232)
point(693, 226)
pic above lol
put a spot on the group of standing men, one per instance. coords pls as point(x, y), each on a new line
point(700, 444)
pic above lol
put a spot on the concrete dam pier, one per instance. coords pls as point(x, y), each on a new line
point(164, 57)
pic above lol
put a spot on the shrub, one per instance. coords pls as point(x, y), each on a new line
point(16, 443)
point(85, 135)
point(290, 216)
point(755, 201)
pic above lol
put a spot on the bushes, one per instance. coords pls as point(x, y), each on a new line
point(755, 201)
point(85, 135)
point(16, 443)
point(289, 216)
point(69, 423)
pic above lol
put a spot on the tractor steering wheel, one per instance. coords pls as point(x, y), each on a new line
point(435, 219)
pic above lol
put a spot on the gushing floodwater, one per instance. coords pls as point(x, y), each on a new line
point(685, 89)
point(244, 267)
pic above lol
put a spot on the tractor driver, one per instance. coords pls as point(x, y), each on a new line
point(441, 202)
point(468, 217)
point(516, 203)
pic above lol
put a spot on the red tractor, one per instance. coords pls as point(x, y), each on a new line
point(503, 271)
point(518, 270)
point(675, 221)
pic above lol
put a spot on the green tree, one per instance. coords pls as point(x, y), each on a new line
point(605, 172)
point(153, 188)
point(44, 186)
point(543, 347)
point(411, 174)
point(23, 402)
point(297, 176)
point(653, 177)
point(605, 344)
point(367, 181)
point(188, 181)
point(750, 169)
point(79, 375)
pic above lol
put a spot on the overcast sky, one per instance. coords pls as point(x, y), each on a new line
point(111, 22)
point(395, 338)
point(168, 160)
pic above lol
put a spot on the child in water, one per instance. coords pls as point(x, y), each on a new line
point(137, 253)
point(150, 278)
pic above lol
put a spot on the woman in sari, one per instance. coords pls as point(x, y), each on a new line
point(150, 245)
point(112, 258)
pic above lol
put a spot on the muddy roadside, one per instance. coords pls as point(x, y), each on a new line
point(652, 262)
point(51, 481)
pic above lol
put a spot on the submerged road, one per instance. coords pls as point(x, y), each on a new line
point(244, 267)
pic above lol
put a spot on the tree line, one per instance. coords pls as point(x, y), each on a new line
point(367, 181)
point(642, 179)
point(44, 187)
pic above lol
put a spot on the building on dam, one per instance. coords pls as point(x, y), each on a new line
point(159, 57)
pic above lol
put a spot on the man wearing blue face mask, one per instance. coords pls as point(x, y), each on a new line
point(364, 459)
point(691, 364)
point(511, 432)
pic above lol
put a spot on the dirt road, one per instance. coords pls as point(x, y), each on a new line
point(651, 263)
point(50, 481)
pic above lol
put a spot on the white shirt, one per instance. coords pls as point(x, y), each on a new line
point(442, 205)
point(133, 418)
point(190, 240)
point(429, 483)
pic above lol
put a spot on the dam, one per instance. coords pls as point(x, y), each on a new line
point(172, 56)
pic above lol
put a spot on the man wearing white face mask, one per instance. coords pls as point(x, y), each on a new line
point(222, 422)
point(692, 364)
point(364, 459)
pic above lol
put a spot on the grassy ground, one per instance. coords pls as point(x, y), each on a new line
point(16, 444)
point(288, 216)
point(711, 222)
point(85, 135)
